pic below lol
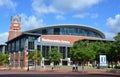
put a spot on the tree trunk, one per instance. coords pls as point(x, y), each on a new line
point(35, 64)
point(83, 67)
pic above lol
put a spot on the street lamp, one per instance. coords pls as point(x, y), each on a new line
point(28, 62)
point(9, 63)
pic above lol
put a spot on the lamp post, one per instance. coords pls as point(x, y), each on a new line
point(9, 63)
point(28, 66)
point(28, 62)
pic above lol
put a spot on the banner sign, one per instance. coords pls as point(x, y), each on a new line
point(103, 61)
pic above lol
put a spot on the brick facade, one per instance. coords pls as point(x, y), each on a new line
point(15, 28)
point(19, 60)
point(69, 38)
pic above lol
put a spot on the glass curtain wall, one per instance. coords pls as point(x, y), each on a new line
point(45, 51)
point(31, 42)
point(63, 51)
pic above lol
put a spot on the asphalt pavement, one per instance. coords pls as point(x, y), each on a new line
point(56, 74)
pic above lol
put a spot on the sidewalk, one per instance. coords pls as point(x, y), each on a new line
point(63, 70)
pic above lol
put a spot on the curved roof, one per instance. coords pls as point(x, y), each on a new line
point(69, 26)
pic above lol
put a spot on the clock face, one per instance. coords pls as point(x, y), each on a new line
point(15, 25)
point(15, 18)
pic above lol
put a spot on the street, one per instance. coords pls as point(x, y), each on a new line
point(52, 74)
point(57, 75)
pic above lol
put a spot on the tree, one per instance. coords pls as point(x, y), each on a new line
point(101, 48)
point(109, 48)
point(82, 51)
point(35, 56)
point(117, 45)
point(4, 58)
point(55, 56)
point(115, 49)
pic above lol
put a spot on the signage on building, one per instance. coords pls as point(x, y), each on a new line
point(39, 39)
point(103, 61)
point(51, 40)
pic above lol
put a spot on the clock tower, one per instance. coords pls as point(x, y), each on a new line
point(15, 28)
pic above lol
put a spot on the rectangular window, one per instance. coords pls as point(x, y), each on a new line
point(52, 47)
point(68, 52)
point(56, 31)
point(39, 47)
point(31, 42)
point(30, 45)
point(62, 50)
point(44, 31)
point(45, 51)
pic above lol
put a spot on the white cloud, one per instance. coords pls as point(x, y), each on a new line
point(82, 15)
point(73, 5)
point(114, 24)
point(60, 17)
point(40, 7)
point(62, 6)
point(30, 22)
point(3, 37)
point(94, 15)
point(8, 3)
point(110, 35)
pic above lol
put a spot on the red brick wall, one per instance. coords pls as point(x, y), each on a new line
point(16, 59)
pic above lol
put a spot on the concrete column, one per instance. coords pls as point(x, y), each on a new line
point(88, 63)
point(25, 59)
point(10, 61)
point(35, 44)
point(26, 44)
point(50, 48)
point(3, 50)
point(41, 50)
point(42, 62)
point(68, 61)
point(118, 61)
point(52, 63)
point(19, 55)
point(58, 48)
point(14, 56)
point(60, 62)
point(66, 52)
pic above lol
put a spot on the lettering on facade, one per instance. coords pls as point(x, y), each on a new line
point(55, 41)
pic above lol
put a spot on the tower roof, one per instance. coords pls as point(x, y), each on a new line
point(15, 28)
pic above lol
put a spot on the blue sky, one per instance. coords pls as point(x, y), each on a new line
point(103, 15)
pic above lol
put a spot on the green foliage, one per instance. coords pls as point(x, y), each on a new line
point(82, 51)
point(101, 48)
point(35, 55)
point(109, 51)
point(86, 50)
point(117, 43)
point(4, 58)
point(115, 49)
point(117, 37)
point(54, 55)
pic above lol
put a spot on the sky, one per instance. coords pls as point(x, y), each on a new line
point(103, 15)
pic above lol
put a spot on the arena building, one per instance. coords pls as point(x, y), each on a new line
point(62, 37)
